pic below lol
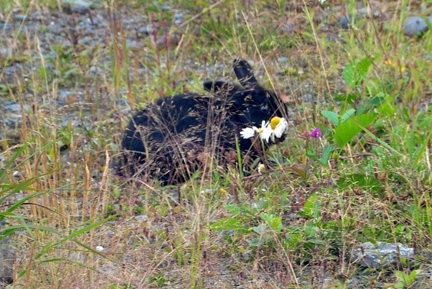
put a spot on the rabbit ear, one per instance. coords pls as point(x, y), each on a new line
point(220, 87)
point(244, 73)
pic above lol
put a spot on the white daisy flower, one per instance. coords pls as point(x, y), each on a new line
point(268, 130)
point(279, 126)
point(250, 132)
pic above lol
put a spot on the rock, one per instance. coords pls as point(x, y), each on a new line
point(143, 218)
point(345, 21)
point(7, 259)
point(145, 29)
point(5, 27)
point(382, 255)
point(76, 6)
point(367, 12)
point(282, 59)
point(415, 25)
point(20, 17)
point(178, 18)
point(6, 52)
point(37, 16)
point(15, 107)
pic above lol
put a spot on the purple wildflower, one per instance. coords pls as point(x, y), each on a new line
point(316, 133)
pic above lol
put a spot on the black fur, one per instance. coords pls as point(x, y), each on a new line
point(169, 139)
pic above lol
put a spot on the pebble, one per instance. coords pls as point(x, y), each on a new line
point(415, 25)
point(143, 218)
point(178, 18)
point(345, 21)
point(20, 17)
point(76, 6)
point(37, 16)
point(282, 59)
point(5, 26)
point(382, 255)
point(100, 248)
point(146, 29)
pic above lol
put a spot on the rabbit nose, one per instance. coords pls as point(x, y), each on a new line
point(265, 109)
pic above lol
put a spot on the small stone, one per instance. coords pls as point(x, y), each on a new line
point(37, 16)
point(282, 59)
point(415, 25)
point(76, 6)
point(20, 17)
point(143, 218)
point(367, 11)
point(345, 21)
point(5, 27)
point(146, 29)
point(178, 18)
point(382, 255)
point(7, 257)
point(100, 248)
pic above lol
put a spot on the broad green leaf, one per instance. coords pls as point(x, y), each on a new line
point(347, 114)
point(348, 129)
point(333, 117)
point(371, 103)
point(348, 75)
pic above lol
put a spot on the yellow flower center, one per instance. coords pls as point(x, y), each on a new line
point(274, 122)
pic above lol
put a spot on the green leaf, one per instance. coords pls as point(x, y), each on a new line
point(227, 224)
point(333, 117)
point(274, 222)
point(234, 209)
point(354, 74)
point(311, 206)
point(327, 150)
point(347, 114)
point(407, 280)
point(260, 229)
point(348, 75)
point(293, 239)
point(370, 103)
point(348, 129)
point(359, 181)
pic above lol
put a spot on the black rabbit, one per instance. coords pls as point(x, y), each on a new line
point(177, 135)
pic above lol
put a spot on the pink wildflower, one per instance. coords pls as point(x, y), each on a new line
point(316, 133)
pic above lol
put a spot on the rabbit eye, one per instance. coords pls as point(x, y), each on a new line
point(265, 109)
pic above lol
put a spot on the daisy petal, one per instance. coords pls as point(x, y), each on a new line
point(247, 133)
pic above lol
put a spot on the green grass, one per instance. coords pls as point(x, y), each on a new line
point(366, 179)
